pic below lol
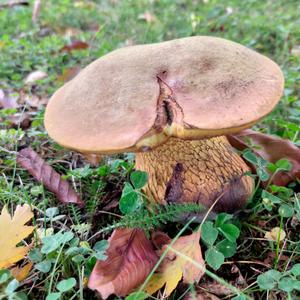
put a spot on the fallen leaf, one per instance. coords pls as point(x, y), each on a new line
point(159, 239)
point(174, 266)
point(21, 120)
point(13, 231)
point(272, 149)
point(274, 234)
point(35, 76)
point(216, 288)
point(42, 172)
point(20, 273)
point(8, 101)
point(75, 45)
point(68, 74)
point(130, 258)
point(35, 101)
point(93, 159)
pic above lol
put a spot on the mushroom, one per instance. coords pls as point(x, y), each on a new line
point(172, 103)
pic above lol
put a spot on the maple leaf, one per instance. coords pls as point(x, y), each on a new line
point(130, 258)
point(175, 266)
point(12, 232)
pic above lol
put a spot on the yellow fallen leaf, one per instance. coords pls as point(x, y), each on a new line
point(20, 273)
point(176, 266)
point(13, 231)
point(274, 234)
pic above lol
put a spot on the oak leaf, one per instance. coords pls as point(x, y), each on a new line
point(272, 149)
point(12, 232)
point(176, 266)
point(130, 258)
point(42, 172)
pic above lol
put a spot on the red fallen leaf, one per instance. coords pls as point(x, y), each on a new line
point(42, 172)
point(75, 45)
point(272, 149)
point(130, 259)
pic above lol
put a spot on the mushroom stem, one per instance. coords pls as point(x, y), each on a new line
point(196, 171)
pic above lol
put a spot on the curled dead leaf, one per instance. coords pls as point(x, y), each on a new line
point(12, 232)
point(183, 260)
point(42, 172)
point(272, 149)
point(130, 258)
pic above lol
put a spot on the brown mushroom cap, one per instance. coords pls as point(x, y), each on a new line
point(219, 86)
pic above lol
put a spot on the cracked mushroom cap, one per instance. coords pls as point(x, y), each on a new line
point(135, 98)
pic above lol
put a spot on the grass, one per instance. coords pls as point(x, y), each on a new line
point(270, 27)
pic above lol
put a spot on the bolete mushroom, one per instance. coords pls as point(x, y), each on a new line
point(172, 103)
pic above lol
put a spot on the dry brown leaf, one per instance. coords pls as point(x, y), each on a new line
point(75, 45)
point(174, 266)
point(21, 120)
point(20, 273)
point(93, 159)
point(272, 149)
point(216, 288)
point(35, 76)
point(274, 234)
point(12, 232)
point(42, 172)
point(130, 258)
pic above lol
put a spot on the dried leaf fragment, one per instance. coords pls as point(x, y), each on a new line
point(35, 76)
point(276, 234)
point(130, 258)
point(272, 149)
point(42, 172)
point(12, 232)
point(21, 273)
point(175, 266)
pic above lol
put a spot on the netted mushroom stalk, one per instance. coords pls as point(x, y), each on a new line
point(172, 103)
